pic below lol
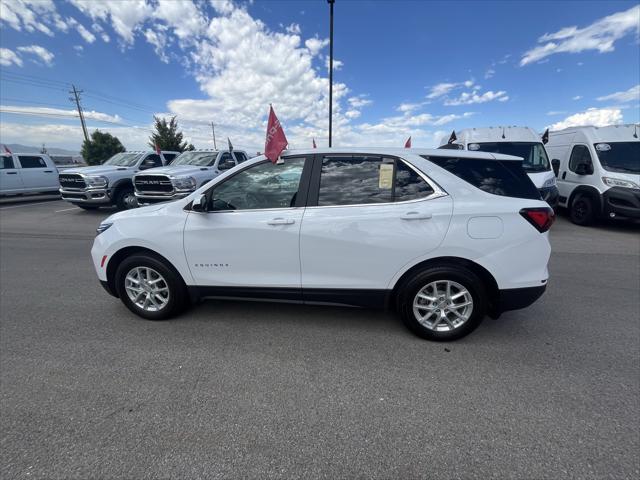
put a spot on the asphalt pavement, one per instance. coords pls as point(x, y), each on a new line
point(264, 390)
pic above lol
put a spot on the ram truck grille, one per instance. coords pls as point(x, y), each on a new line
point(153, 183)
point(71, 180)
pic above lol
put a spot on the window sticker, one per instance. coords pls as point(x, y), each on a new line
point(385, 179)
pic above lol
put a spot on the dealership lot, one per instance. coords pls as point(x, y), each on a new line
point(271, 390)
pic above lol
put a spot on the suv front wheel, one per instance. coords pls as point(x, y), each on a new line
point(442, 303)
point(149, 288)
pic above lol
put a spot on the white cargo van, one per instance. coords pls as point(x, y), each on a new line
point(521, 142)
point(598, 170)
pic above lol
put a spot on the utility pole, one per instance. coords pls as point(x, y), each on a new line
point(213, 131)
point(331, 2)
point(76, 99)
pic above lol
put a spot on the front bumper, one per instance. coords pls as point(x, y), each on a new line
point(621, 201)
point(88, 196)
point(550, 195)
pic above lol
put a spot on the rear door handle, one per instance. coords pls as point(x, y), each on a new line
point(48, 171)
point(281, 221)
point(416, 216)
point(12, 173)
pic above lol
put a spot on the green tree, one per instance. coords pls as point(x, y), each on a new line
point(100, 147)
point(167, 136)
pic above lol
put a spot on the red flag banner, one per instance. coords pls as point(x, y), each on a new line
point(6, 149)
point(157, 149)
point(407, 144)
point(314, 143)
point(275, 141)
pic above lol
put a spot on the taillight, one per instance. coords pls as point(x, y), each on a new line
point(541, 218)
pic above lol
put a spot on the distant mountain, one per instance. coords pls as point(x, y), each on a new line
point(17, 148)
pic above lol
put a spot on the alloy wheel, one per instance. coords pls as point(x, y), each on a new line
point(147, 289)
point(442, 306)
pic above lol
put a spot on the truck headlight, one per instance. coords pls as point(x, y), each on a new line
point(549, 183)
point(96, 181)
point(184, 183)
point(102, 227)
point(618, 182)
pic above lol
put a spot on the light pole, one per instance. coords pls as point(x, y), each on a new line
point(331, 2)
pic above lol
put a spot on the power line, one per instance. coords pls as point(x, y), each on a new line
point(60, 115)
point(34, 103)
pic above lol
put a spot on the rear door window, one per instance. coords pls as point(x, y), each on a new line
point(28, 161)
point(6, 162)
point(504, 178)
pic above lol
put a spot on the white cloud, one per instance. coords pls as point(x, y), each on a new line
point(158, 38)
point(556, 112)
point(79, 49)
point(441, 89)
point(58, 112)
point(125, 16)
point(293, 29)
point(633, 94)
point(9, 57)
point(409, 107)
point(85, 34)
point(577, 97)
point(42, 53)
point(600, 35)
point(489, 73)
point(468, 98)
point(315, 45)
point(598, 117)
point(337, 64)
point(359, 101)
point(27, 14)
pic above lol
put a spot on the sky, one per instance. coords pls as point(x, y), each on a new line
point(401, 68)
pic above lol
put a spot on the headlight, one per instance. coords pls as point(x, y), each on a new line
point(102, 227)
point(96, 181)
point(618, 182)
point(184, 183)
point(549, 183)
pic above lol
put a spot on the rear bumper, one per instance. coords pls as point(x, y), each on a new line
point(550, 195)
point(517, 298)
point(91, 196)
point(621, 201)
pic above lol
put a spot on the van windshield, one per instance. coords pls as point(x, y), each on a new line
point(123, 159)
point(621, 157)
point(199, 159)
point(533, 153)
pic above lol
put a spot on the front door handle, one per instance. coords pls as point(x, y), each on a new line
point(12, 173)
point(281, 221)
point(416, 216)
point(48, 171)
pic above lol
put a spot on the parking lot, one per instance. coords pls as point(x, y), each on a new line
point(258, 390)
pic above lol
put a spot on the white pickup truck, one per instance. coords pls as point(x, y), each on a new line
point(27, 173)
point(189, 171)
point(110, 183)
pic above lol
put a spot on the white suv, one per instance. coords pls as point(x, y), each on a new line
point(443, 236)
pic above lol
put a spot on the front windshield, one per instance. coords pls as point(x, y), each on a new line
point(534, 156)
point(123, 159)
point(199, 159)
point(621, 157)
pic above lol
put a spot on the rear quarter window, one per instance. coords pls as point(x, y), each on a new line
point(504, 178)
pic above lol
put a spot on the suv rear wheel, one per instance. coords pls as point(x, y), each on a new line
point(149, 288)
point(442, 303)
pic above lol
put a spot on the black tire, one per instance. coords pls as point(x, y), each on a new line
point(582, 210)
point(178, 298)
point(122, 198)
point(87, 207)
point(461, 275)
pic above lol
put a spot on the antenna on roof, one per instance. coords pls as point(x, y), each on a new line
point(635, 130)
point(503, 133)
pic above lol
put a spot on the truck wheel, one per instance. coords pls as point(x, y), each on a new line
point(150, 288)
point(87, 207)
point(442, 303)
point(125, 199)
point(582, 210)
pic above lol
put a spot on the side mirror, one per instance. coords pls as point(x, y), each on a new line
point(199, 203)
point(584, 169)
point(147, 164)
point(555, 164)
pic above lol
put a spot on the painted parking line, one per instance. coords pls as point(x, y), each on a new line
point(29, 204)
point(67, 209)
